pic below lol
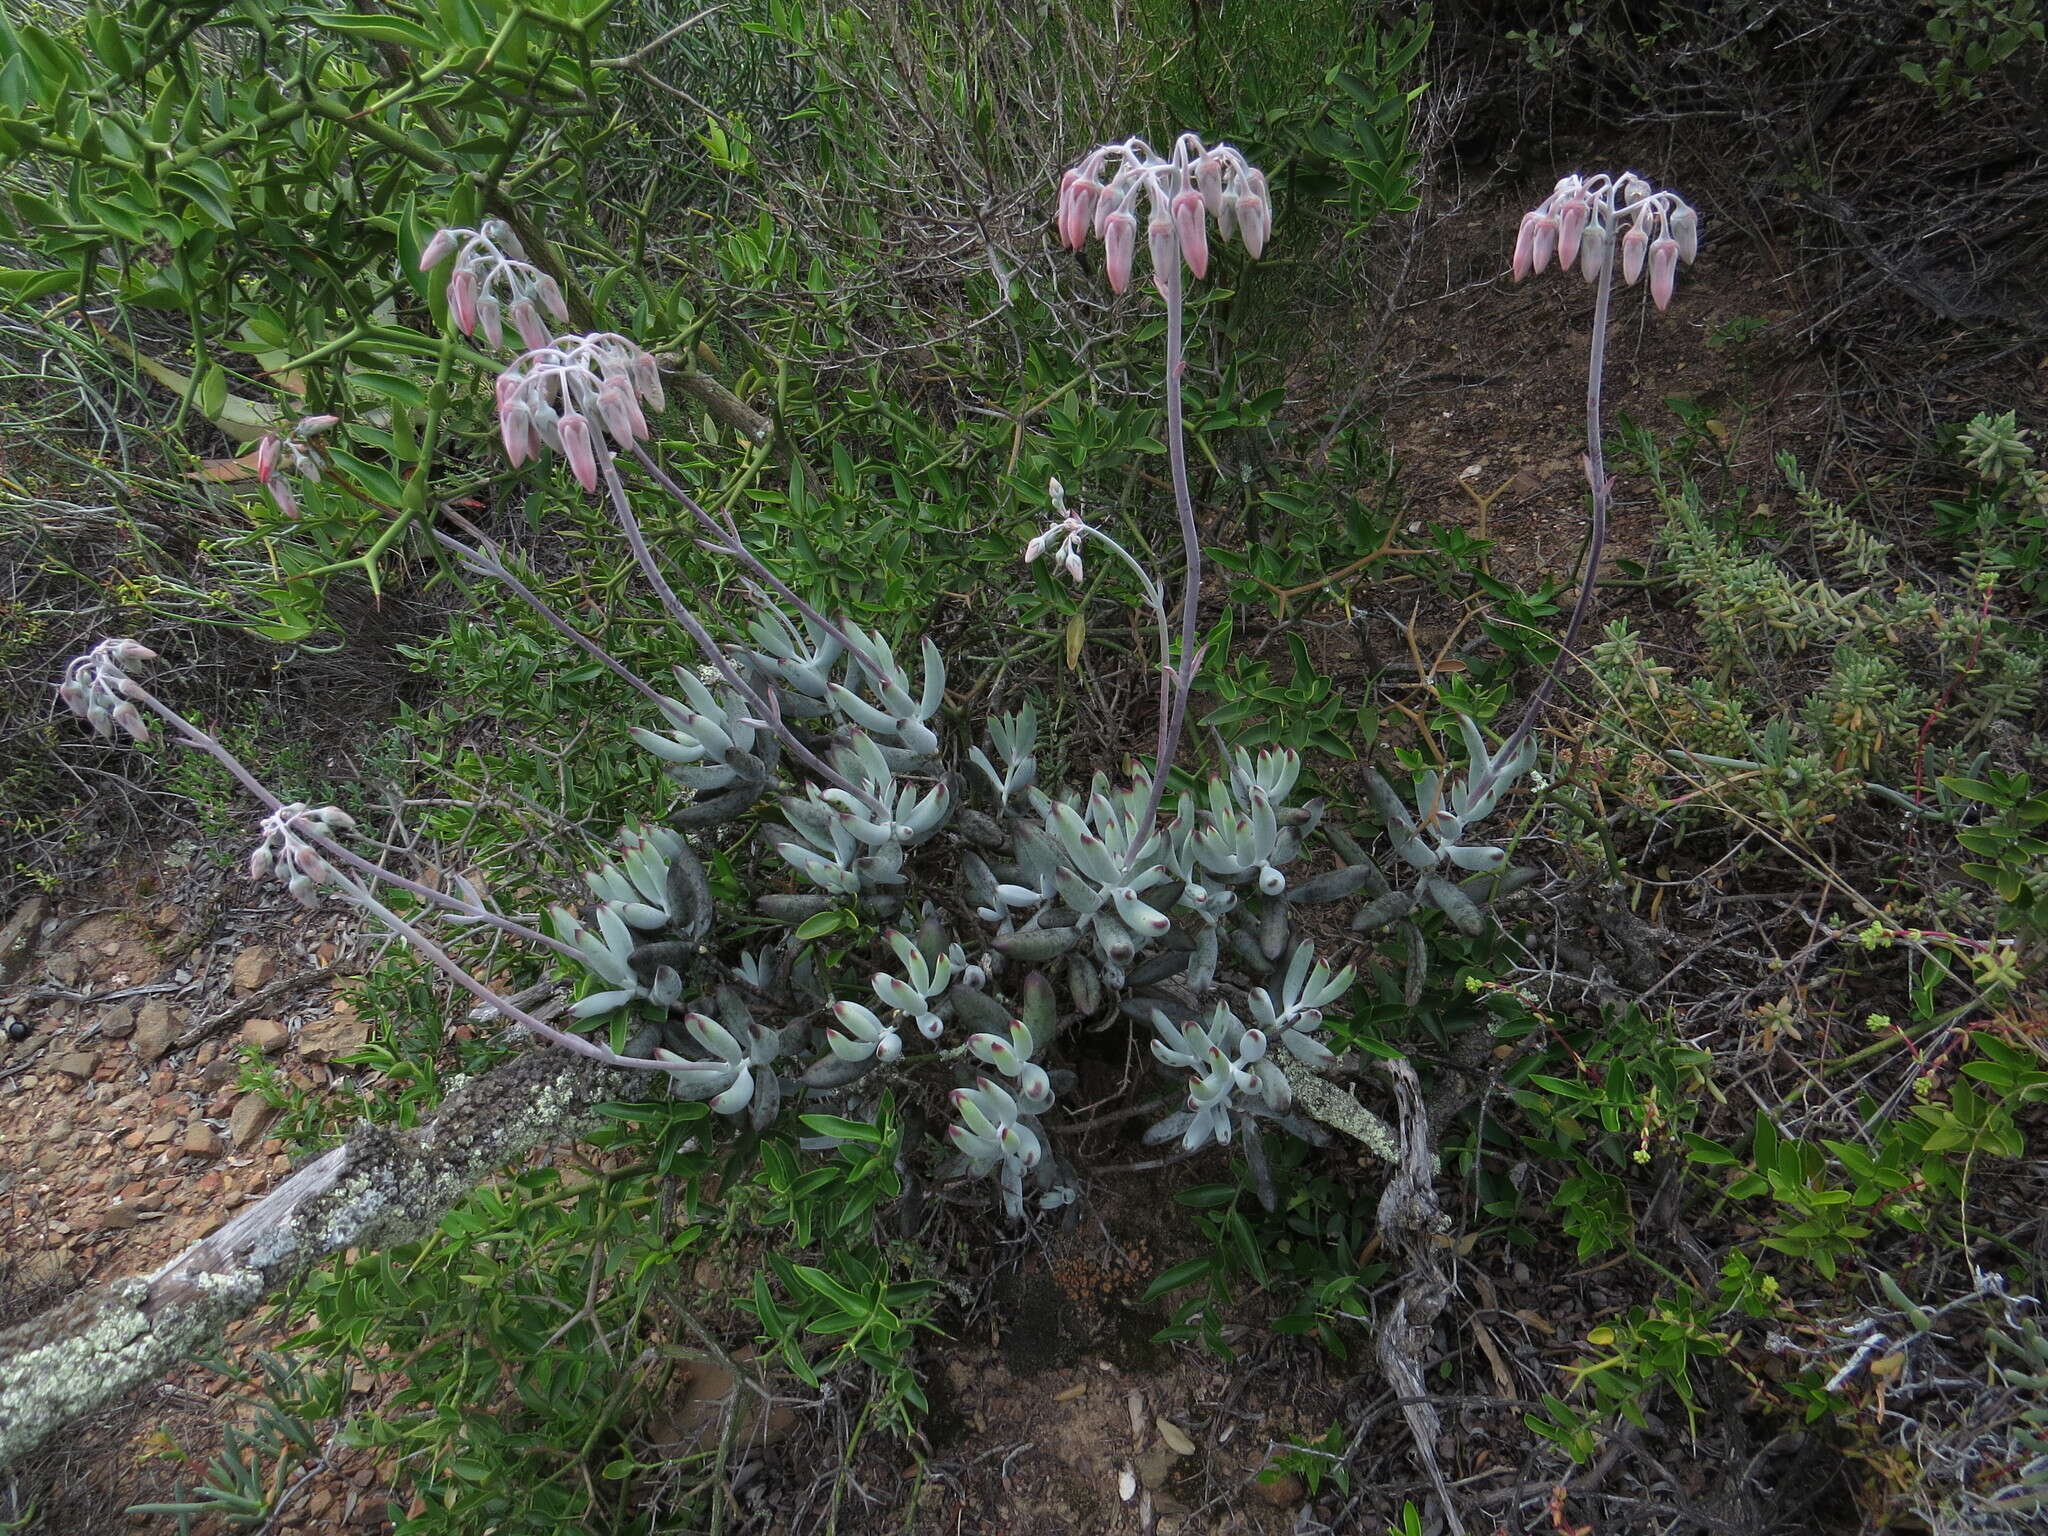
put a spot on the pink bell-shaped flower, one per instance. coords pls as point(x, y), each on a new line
point(1120, 247)
point(1190, 223)
point(1635, 245)
point(1571, 228)
point(1664, 255)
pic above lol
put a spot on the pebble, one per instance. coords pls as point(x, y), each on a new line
point(248, 1119)
point(267, 1035)
point(201, 1140)
point(254, 968)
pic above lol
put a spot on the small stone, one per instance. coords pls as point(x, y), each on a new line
point(1284, 1491)
point(1154, 1468)
point(200, 1140)
point(77, 1065)
point(118, 1022)
point(45, 1267)
point(267, 1035)
point(336, 1035)
point(65, 969)
point(248, 1119)
point(118, 1218)
point(253, 968)
point(154, 1030)
point(157, 1135)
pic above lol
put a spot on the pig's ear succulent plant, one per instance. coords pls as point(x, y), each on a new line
point(1019, 910)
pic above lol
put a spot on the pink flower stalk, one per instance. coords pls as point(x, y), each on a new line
point(1109, 190)
point(493, 282)
point(1586, 217)
point(570, 395)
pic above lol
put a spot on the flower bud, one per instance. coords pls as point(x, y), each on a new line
point(1209, 179)
point(1190, 223)
point(549, 292)
point(647, 380)
point(1120, 245)
point(437, 249)
point(515, 427)
point(261, 862)
point(282, 494)
point(313, 426)
point(1571, 226)
point(1525, 245)
point(1252, 224)
point(1543, 242)
point(489, 321)
point(577, 448)
point(527, 321)
point(266, 457)
point(1684, 227)
point(1663, 269)
point(129, 719)
point(462, 297)
point(1593, 252)
point(621, 415)
point(1635, 245)
point(1105, 205)
point(1063, 215)
point(1164, 248)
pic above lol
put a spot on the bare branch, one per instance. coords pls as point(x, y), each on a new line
point(378, 1189)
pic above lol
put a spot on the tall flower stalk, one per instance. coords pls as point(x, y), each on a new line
point(1599, 224)
point(1178, 194)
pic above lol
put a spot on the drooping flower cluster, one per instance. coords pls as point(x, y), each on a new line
point(98, 690)
point(1180, 194)
point(1583, 218)
point(494, 282)
point(1063, 538)
point(283, 852)
point(280, 454)
point(569, 394)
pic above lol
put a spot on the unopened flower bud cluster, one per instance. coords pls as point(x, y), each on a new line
point(1106, 194)
point(98, 690)
point(287, 453)
point(493, 282)
point(567, 395)
point(1585, 218)
point(284, 854)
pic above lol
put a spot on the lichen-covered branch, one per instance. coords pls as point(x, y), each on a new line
point(1327, 1104)
point(378, 1189)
